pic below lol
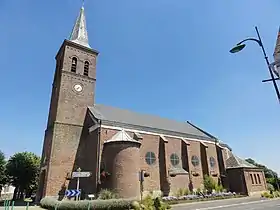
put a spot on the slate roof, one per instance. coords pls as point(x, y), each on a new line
point(131, 120)
point(236, 162)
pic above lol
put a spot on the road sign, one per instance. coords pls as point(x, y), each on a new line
point(72, 193)
point(81, 174)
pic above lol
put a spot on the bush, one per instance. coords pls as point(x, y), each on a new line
point(270, 187)
point(113, 204)
point(276, 194)
point(267, 195)
point(219, 188)
point(182, 191)
point(105, 194)
point(150, 204)
point(209, 183)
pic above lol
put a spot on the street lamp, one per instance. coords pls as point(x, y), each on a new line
point(240, 46)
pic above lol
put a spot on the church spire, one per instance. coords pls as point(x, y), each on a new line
point(277, 47)
point(79, 33)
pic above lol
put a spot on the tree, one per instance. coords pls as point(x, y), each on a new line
point(23, 169)
point(267, 172)
point(3, 177)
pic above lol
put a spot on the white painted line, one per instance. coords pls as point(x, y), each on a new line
point(232, 205)
point(210, 201)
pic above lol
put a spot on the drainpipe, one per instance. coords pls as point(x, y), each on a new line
point(98, 152)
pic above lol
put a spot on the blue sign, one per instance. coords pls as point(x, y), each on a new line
point(72, 193)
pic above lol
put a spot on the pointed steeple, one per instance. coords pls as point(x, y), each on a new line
point(79, 33)
point(276, 53)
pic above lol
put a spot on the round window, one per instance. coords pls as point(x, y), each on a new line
point(150, 158)
point(195, 160)
point(212, 162)
point(174, 159)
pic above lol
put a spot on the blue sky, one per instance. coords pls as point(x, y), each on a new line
point(162, 57)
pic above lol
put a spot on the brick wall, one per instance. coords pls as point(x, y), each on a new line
point(255, 180)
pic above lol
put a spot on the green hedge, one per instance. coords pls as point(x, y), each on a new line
point(112, 204)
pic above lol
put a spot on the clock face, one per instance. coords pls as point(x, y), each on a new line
point(78, 88)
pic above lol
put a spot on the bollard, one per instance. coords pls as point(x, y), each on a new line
point(9, 203)
point(13, 204)
point(55, 207)
point(88, 205)
point(27, 205)
point(4, 204)
point(27, 200)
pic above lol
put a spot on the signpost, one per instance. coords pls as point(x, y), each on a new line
point(80, 174)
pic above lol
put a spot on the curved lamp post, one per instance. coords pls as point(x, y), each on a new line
point(240, 46)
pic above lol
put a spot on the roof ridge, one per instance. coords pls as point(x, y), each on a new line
point(210, 135)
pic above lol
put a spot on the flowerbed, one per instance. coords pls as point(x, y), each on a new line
point(199, 197)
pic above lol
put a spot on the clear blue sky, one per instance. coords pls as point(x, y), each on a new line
point(163, 57)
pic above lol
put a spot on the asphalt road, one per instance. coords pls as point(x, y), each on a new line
point(230, 204)
point(233, 204)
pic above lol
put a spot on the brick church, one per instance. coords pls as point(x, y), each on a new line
point(115, 144)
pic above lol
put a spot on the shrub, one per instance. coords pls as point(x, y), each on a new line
point(266, 195)
point(209, 183)
point(105, 194)
point(112, 204)
point(219, 188)
point(150, 204)
point(270, 187)
point(182, 191)
point(276, 194)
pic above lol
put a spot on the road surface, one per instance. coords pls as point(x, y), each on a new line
point(232, 204)
point(229, 204)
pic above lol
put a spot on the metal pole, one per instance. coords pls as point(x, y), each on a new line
point(141, 186)
point(267, 63)
point(78, 186)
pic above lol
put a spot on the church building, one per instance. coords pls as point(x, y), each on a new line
point(114, 144)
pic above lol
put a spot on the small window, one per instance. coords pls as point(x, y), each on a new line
point(86, 68)
point(259, 179)
point(174, 159)
point(255, 177)
point(195, 161)
point(212, 162)
point(150, 158)
point(74, 65)
point(252, 179)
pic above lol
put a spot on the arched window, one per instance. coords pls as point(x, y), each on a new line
point(86, 68)
point(74, 65)
point(174, 159)
point(195, 160)
point(212, 162)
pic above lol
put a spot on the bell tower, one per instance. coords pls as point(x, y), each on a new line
point(73, 90)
